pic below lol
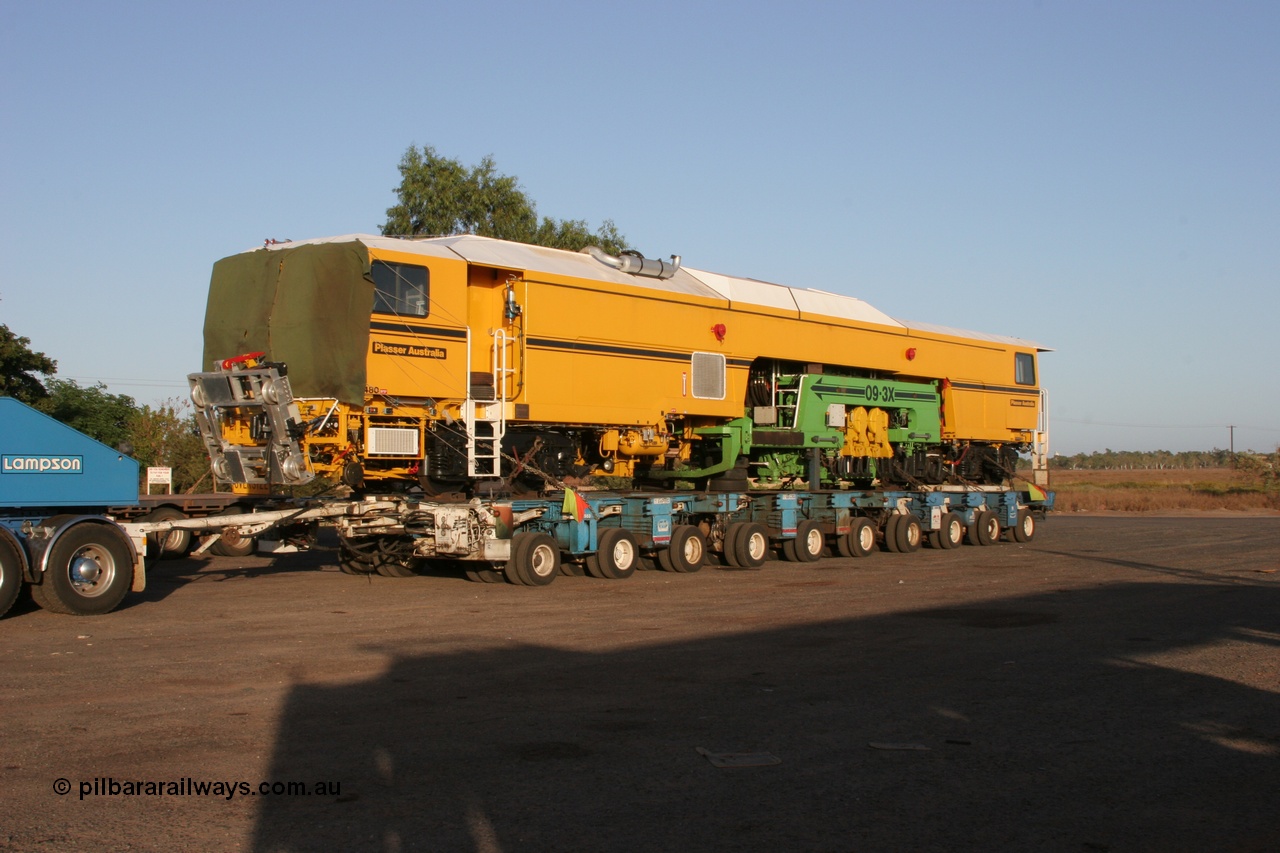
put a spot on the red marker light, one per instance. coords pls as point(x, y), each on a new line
point(911, 354)
point(719, 331)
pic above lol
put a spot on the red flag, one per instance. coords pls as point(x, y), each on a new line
point(574, 504)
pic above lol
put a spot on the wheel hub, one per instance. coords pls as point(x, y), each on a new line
point(85, 570)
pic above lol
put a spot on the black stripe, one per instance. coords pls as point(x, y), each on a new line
point(1028, 390)
point(428, 331)
point(608, 349)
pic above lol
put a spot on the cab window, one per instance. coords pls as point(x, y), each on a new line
point(1024, 368)
point(400, 289)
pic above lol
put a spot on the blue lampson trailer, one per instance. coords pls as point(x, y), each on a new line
point(63, 497)
point(55, 486)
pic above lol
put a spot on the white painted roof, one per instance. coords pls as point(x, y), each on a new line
point(737, 291)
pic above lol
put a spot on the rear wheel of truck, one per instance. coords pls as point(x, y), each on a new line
point(985, 529)
point(353, 559)
point(860, 541)
point(908, 534)
point(808, 544)
point(169, 544)
point(891, 533)
point(951, 534)
point(231, 543)
point(617, 555)
point(752, 546)
point(10, 573)
point(1025, 528)
point(686, 552)
point(535, 559)
point(88, 571)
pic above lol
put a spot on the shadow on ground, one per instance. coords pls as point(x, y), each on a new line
point(1074, 720)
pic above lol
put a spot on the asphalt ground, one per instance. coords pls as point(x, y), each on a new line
point(1113, 685)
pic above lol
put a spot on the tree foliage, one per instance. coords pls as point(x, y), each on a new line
point(166, 437)
point(18, 366)
point(1124, 459)
point(91, 410)
point(439, 196)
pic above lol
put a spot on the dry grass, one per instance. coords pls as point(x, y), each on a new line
point(1160, 490)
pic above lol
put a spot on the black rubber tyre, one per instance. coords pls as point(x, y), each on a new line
point(231, 544)
point(951, 534)
point(484, 575)
point(88, 571)
point(985, 529)
point(729, 556)
point(842, 544)
point(390, 567)
point(572, 569)
point(752, 546)
point(891, 533)
point(535, 559)
point(861, 541)
point(909, 534)
point(687, 551)
point(808, 544)
point(354, 560)
point(1025, 528)
point(169, 544)
point(10, 573)
point(617, 554)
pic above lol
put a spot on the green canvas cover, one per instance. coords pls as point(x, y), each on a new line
point(307, 306)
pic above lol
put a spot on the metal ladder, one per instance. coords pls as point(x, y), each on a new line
point(1040, 447)
point(485, 417)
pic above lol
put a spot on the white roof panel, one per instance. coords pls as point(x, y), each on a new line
point(835, 305)
point(740, 291)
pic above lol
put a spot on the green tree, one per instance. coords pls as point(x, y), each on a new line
point(166, 437)
point(439, 196)
point(91, 410)
point(18, 364)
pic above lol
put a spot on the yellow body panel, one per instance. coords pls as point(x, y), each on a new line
point(572, 350)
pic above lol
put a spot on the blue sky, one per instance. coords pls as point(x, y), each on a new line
point(1101, 177)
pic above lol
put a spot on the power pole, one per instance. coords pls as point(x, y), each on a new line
point(1232, 432)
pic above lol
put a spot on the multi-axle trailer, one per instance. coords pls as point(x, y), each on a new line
point(70, 526)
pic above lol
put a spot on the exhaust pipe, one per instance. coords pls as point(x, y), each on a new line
point(636, 264)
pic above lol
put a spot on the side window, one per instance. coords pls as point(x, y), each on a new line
point(400, 289)
point(1024, 368)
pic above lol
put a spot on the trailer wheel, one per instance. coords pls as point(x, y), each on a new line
point(951, 534)
point(861, 539)
point(1025, 529)
point(231, 543)
point(398, 567)
point(908, 534)
point(808, 544)
point(535, 559)
point(484, 575)
point(353, 559)
point(891, 533)
point(169, 544)
point(729, 547)
point(617, 555)
point(687, 551)
point(985, 528)
point(88, 571)
point(752, 545)
point(10, 573)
